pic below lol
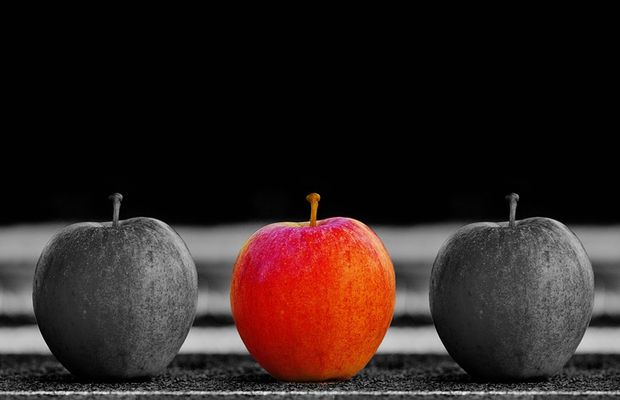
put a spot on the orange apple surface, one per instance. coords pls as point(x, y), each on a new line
point(312, 301)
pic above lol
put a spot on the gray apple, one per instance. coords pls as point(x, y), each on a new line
point(115, 300)
point(512, 300)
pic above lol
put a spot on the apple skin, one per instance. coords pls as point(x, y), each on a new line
point(115, 302)
point(512, 303)
point(313, 303)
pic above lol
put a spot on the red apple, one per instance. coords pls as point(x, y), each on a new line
point(115, 300)
point(511, 301)
point(312, 301)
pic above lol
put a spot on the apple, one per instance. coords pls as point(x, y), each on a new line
point(312, 301)
point(512, 300)
point(115, 300)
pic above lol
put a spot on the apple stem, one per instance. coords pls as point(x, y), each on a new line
point(116, 199)
point(313, 199)
point(512, 199)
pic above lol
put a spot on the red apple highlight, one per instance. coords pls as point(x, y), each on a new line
point(312, 301)
point(115, 300)
point(511, 301)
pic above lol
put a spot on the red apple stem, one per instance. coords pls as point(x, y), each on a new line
point(313, 199)
point(116, 199)
point(512, 198)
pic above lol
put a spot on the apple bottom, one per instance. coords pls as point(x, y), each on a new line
point(314, 350)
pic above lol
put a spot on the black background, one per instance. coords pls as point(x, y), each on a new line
point(208, 190)
point(386, 132)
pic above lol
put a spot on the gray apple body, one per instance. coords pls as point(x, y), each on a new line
point(512, 302)
point(115, 302)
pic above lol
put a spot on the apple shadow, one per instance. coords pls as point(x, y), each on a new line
point(465, 379)
point(68, 378)
point(452, 378)
point(510, 381)
point(259, 378)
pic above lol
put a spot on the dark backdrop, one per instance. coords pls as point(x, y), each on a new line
point(386, 132)
point(210, 191)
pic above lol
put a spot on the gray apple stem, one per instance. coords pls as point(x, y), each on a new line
point(512, 198)
point(116, 198)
